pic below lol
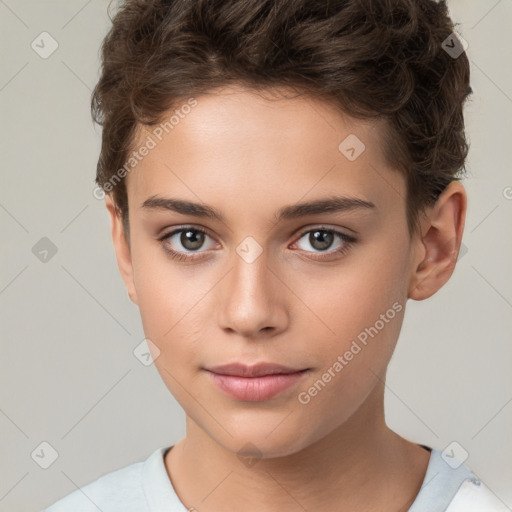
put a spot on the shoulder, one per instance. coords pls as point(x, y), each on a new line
point(474, 496)
point(451, 486)
point(117, 491)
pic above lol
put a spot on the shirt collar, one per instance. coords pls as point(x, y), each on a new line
point(440, 484)
point(158, 489)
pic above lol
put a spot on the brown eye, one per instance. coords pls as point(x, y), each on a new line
point(186, 242)
point(191, 239)
point(321, 240)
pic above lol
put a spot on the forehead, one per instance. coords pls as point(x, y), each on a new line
point(237, 142)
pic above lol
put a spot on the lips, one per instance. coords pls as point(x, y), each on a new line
point(254, 383)
point(258, 370)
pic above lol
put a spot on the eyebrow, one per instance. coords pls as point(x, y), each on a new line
point(320, 206)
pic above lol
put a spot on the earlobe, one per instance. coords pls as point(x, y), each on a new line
point(121, 247)
point(439, 242)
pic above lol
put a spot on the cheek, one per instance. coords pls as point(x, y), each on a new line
point(351, 364)
point(341, 304)
point(172, 314)
point(355, 314)
point(165, 292)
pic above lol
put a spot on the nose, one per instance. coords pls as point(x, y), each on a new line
point(252, 300)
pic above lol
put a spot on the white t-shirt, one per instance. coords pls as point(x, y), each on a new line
point(146, 487)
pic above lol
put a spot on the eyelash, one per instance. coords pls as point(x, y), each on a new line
point(176, 255)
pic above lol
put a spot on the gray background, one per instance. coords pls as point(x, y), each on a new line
point(68, 329)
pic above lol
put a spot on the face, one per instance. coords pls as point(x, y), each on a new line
point(320, 291)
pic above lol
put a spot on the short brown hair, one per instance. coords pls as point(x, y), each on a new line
point(370, 58)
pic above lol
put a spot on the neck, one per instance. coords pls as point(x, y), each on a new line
point(361, 465)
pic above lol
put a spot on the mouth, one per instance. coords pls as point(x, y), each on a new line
point(257, 370)
point(254, 383)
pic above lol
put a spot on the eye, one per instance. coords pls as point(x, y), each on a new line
point(190, 238)
point(322, 239)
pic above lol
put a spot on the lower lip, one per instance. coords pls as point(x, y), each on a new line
point(255, 389)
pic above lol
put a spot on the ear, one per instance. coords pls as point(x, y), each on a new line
point(122, 248)
point(438, 243)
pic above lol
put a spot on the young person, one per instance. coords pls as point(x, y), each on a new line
point(281, 177)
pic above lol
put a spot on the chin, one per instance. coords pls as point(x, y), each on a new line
point(263, 442)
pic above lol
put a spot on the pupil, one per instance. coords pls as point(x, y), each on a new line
point(321, 240)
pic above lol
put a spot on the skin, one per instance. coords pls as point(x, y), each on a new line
point(248, 156)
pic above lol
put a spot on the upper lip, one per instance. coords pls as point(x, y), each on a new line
point(257, 370)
